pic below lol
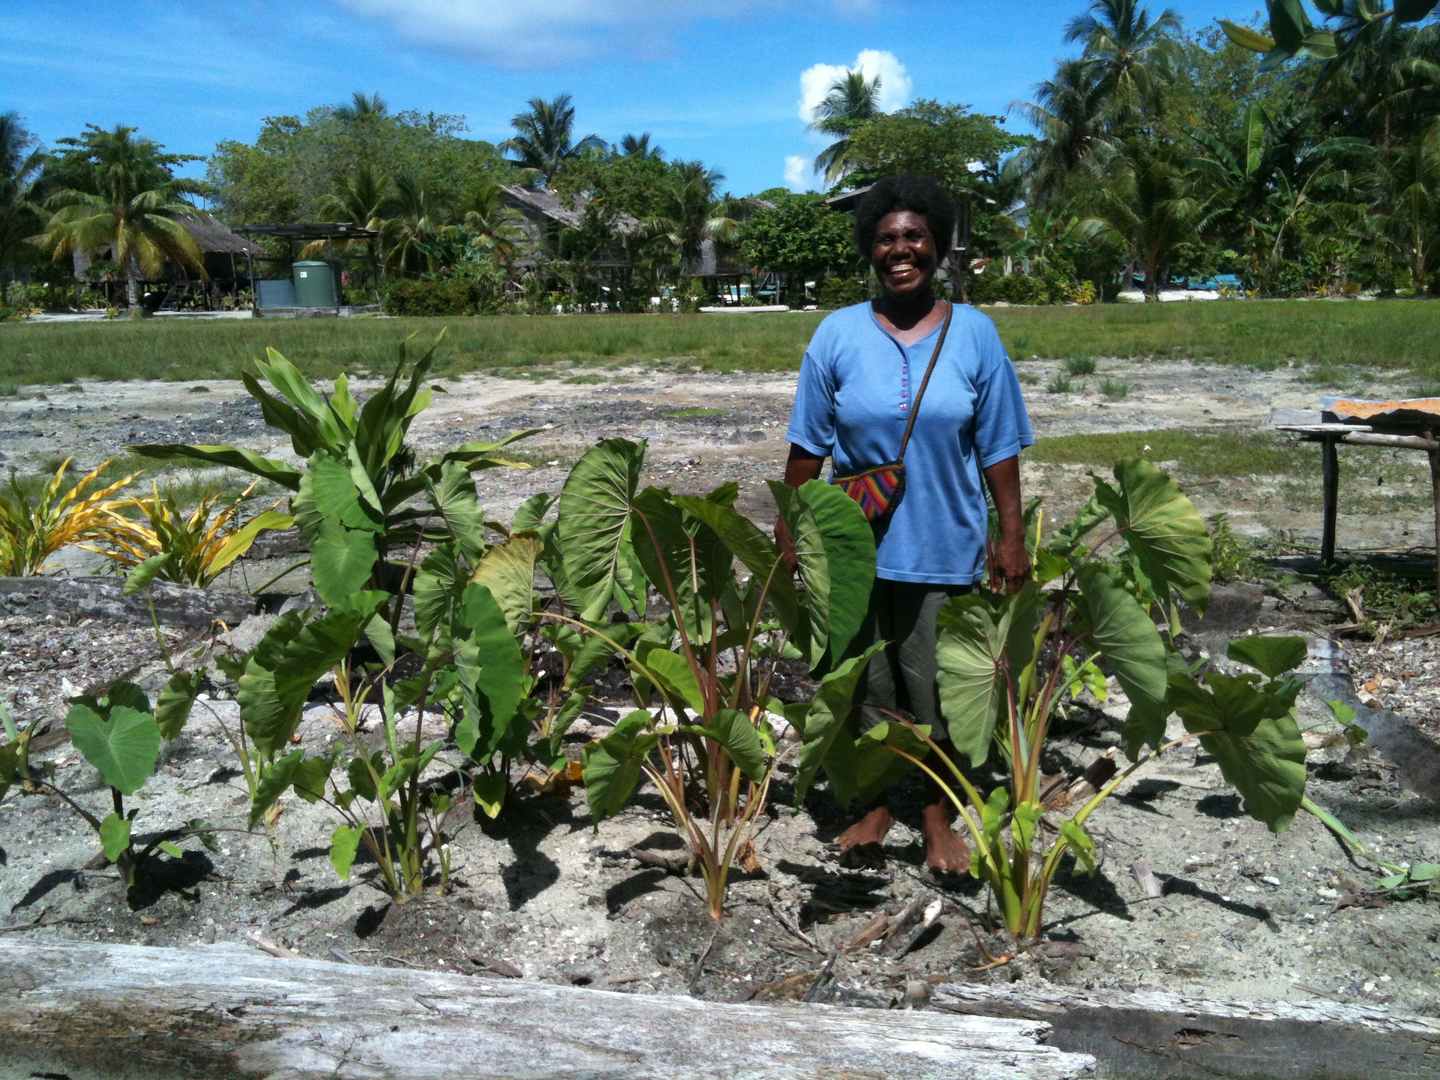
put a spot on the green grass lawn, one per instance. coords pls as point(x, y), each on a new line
point(1394, 335)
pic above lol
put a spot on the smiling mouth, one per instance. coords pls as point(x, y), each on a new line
point(903, 270)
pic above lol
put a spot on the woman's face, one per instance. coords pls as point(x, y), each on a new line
point(903, 254)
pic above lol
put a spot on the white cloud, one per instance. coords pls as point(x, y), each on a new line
point(798, 173)
point(536, 33)
point(895, 84)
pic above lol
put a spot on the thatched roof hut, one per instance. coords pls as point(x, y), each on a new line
point(217, 242)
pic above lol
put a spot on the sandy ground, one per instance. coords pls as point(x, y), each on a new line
point(1242, 913)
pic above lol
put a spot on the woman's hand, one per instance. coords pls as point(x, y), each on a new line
point(1009, 563)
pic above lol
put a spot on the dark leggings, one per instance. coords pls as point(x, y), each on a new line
point(903, 677)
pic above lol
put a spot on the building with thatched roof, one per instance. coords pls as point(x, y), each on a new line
point(544, 215)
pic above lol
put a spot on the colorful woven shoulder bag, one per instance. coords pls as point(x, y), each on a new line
point(879, 488)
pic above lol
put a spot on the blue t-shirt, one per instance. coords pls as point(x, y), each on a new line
point(851, 405)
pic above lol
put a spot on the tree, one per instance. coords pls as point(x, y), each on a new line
point(20, 165)
point(415, 224)
point(362, 107)
point(295, 163)
point(1068, 113)
point(850, 101)
point(1127, 54)
point(639, 146)
point(1151, 204)
point(493, 226)
point(688, 212)
point(126, 199)
point(799, 235)
point(544, 135)
point(365, 200)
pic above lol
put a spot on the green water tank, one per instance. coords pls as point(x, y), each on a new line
point(314, 284)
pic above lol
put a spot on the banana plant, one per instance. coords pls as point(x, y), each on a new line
point(341, 441)
point(701, 668)
point(1006, 662)
point(1292, 33)
point(471, 601)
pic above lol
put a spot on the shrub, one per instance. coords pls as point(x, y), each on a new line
point(840, 290)
point(1081, 292)
point(1114, 389)
point(432, 296)
point(1080, 365)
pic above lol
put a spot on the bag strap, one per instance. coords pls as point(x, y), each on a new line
point(924, 382)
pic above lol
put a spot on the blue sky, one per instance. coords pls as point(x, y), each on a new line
point(723, 81)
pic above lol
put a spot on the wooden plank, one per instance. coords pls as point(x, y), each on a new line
point(1400, 442)
point(1435, 499)
point(1156, 1035)
point(1330, 484)
point(90, 1010)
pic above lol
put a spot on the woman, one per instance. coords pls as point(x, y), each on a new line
point(857, 383)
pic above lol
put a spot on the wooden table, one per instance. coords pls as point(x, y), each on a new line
point(1331, 435)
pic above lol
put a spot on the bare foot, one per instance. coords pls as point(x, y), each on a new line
point(861, 841)
point(945, 850)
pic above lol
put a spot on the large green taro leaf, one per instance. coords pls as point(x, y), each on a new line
point(279, 674)
point(1163, 529)
point(1131, 649)
point(124, 746)
point(492, 674)
point(984, 642)
point(328, 493)
point(613, 765)
point(594, 528)
point(341, 562)
point(733, 730)
point(454, 500)
point(1250, 729)
point(758, 554)
point(1271, 655)
point(672, 557)
point(826, 723)
point(835, 558)
point(508, 571)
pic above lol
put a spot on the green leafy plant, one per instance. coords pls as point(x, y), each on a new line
point(120, 733)
point(1060, 383)
point(701, 673)
point(1115, 389)
point(345, 445)
point(1080, 365)
point(34, 529)
point(1006, 662)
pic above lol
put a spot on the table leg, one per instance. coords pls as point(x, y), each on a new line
point(1434, 456)
point(1330, 477)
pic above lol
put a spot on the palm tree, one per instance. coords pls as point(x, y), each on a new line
point(1068, 114)
point(638, 146)
point(409, 234)
point(493, 226)
point(364, 199)
point(20, 164)
point(543, 137)
point(850, 101)
point(690, 214)
point(362, 107)
point(1411, 202)
point(1127, 52)
point(1151, 205)
point(129, 202)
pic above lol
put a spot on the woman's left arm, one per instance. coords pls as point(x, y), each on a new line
point(1009, 560)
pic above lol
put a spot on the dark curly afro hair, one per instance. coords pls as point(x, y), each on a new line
point(919, 194)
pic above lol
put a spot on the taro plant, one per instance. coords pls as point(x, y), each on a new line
point(701, 668)
point(120, 733)
point(34, 529)
point(199, 544)
point(1007, 661)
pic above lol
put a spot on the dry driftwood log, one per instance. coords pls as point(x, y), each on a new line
point(84, 1010)
point(102, 598)
point(1155, 1035)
